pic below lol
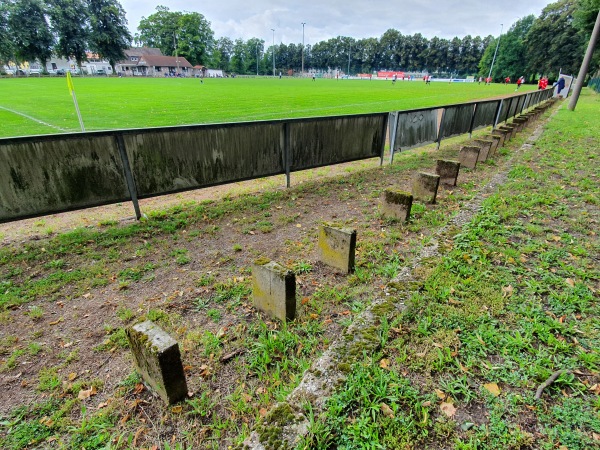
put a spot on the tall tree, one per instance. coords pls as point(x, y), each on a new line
point(584, 20)
point(186, 34)
point(6, 43)
point(221, 56)
point(159, 30)
point(553, 43)
point(194, 38)
point(510, 61)
point(109, 36)
point(70, 22)
point(29, 31)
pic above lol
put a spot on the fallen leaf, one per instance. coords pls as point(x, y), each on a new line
point(55, 322)
point(262, 412)
point(177, 409)
point(426, 404)
point(492, 388)
point(138, 433)
point(384, 363)
point(507, 291)
point(570, 282)
point(305, 300)
point(103, 405)
point(387, 411)
point(314, 316)
point(441, 394)
point(298, 225)
point(596, 436)
point(246, 397)
point(139, 388)
point(88, 295)
point(448, 409)
point(87, 393)
point(72, 376)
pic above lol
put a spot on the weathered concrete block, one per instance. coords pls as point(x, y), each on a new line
point(504, 135)
point(484, 149)
point(337, 247)
point(468, 156)
point(397, 204)
point(448, 171)
point(495, 143)
point(519, 124)
point(274, 289)
point(511, 128)
point(157, 359)
point(425, 187)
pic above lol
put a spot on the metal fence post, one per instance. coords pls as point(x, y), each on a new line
point(128, 175)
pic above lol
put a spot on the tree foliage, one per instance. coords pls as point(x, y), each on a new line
point(70, 22)
point(186, 34)
point(29, 31)
point(109, 36)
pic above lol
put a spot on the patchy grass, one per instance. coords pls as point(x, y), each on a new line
point(512, 299)
point(188, 269)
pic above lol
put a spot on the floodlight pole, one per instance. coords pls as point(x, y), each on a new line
point(257, 58)
point(349, 52)
point(585, 65)
point(303, 23)
point(496, 51)
point(273, 30)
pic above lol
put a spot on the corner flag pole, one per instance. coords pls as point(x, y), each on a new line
point(72, 92)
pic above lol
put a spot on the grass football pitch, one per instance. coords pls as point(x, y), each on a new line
point(32, 106)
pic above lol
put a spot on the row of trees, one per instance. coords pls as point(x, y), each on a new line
point(555, 41)
point(33, 30)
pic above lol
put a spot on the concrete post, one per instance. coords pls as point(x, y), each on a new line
point(425, 187)
point(337, 247)
point(484, 149)
point(468, 156)
point(504, 135)
point(495, 143)
point(448, 171)
point(397, 204)
point(157, 359)
point(274, 289)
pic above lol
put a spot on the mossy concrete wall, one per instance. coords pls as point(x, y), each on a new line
point(448, 171)
point(324, 141)
point(42, 175)
point(337, 247)
point(425, 186)
point(274, 289)
point(396, 203)
point(158, 360)
point(468, 156)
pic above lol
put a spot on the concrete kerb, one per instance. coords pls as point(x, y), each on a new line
point(396, 203)
point(495, 143)
point(337, 247)
point(330, 370)
point(274, 289)
point(448, 171)
point(425, 186)
point(502, 134)
point(468, 156)
point(484, 149)
point(158, 360)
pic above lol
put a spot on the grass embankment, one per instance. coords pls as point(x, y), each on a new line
point(513, 299)
point(112, 103)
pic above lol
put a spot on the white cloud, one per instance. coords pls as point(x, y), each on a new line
point(355, 18)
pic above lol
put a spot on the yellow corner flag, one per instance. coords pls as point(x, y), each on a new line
point(70, 83)
point(72, 92)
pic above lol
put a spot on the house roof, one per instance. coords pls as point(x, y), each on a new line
point(163, 61)
point(141, 51)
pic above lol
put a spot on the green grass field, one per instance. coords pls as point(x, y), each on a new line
point(43, 106)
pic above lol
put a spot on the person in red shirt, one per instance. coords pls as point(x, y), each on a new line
point(507, 80)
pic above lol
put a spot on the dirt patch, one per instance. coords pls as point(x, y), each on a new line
point(189, 271)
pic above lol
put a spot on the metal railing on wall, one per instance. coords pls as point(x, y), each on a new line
point(50, 174)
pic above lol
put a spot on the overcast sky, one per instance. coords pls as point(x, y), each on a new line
point(326, 19)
